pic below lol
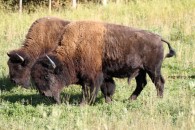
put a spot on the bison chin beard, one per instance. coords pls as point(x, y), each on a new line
point(47, 93)
point(26, 85)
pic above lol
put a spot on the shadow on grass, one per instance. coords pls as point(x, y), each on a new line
point(33, 99)
point(37, 99)
point(5, 84)
point(75, 99)
point(182, 77)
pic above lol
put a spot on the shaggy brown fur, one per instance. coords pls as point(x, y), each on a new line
point(93, 51)
point(41, 38)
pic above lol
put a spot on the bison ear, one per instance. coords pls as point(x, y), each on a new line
point(58, 70)
point(25, 62)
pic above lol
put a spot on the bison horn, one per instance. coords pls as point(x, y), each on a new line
point(21, 58)
point(53, 64)
point(9, 54)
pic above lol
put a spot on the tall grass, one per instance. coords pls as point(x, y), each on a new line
point(173, 20)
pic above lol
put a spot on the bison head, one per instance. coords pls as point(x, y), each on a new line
point(19, 68)
point(47, 75)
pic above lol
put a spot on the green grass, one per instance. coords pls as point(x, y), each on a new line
point(174, 20)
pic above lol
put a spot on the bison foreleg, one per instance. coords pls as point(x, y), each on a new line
point(93, 94)
point(56, 97)
point(85, 94)
point(94, 87)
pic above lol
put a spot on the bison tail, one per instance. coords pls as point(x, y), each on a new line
point(171, 50)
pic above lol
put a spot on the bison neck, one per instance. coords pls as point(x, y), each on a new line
point(68, 70)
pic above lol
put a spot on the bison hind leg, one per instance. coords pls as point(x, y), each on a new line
point(158, 81)
point(108, 89)
point(141, 83)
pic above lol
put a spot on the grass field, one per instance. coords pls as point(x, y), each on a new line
point(22, 109)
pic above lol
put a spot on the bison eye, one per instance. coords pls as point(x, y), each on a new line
point(46, 77)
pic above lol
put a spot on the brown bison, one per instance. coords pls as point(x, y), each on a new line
point(91, 53)
point(41, 38)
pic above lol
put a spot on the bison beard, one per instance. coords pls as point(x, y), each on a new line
point(41, 39)
point(91, 53)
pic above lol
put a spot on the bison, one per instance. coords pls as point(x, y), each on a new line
point(41, 38)
point(91, 53)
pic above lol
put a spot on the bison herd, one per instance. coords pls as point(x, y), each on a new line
point(58, 53)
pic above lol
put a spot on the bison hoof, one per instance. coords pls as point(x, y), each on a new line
point(83, 103)
point(133, 97)
point(160, 96)
point(58, 102)
point(108, 100)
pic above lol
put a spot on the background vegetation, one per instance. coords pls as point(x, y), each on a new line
point(174, 20)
